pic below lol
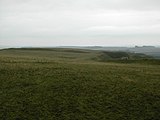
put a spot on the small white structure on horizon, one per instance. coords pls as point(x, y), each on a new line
point(124, 58)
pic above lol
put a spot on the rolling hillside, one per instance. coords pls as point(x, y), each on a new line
point(76, 84)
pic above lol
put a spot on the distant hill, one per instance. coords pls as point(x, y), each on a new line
point(148, 50)
point(72, 54)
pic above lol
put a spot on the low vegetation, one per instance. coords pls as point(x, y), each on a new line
point(72, 84)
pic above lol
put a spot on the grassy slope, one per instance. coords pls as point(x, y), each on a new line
point(65, 84)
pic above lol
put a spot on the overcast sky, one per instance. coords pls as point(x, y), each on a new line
point(79, 22)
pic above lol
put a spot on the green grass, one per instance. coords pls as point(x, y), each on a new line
point(66, 84)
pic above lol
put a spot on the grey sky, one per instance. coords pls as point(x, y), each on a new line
point(79, 22)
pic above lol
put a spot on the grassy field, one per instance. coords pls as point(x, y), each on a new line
point(70, 84)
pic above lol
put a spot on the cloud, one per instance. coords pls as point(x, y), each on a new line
point(78, 20)
point(151, 29)
point(48, 5)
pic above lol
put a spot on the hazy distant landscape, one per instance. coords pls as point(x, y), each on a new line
point(148, 50)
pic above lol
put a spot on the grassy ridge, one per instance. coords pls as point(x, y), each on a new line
point(66, 85)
